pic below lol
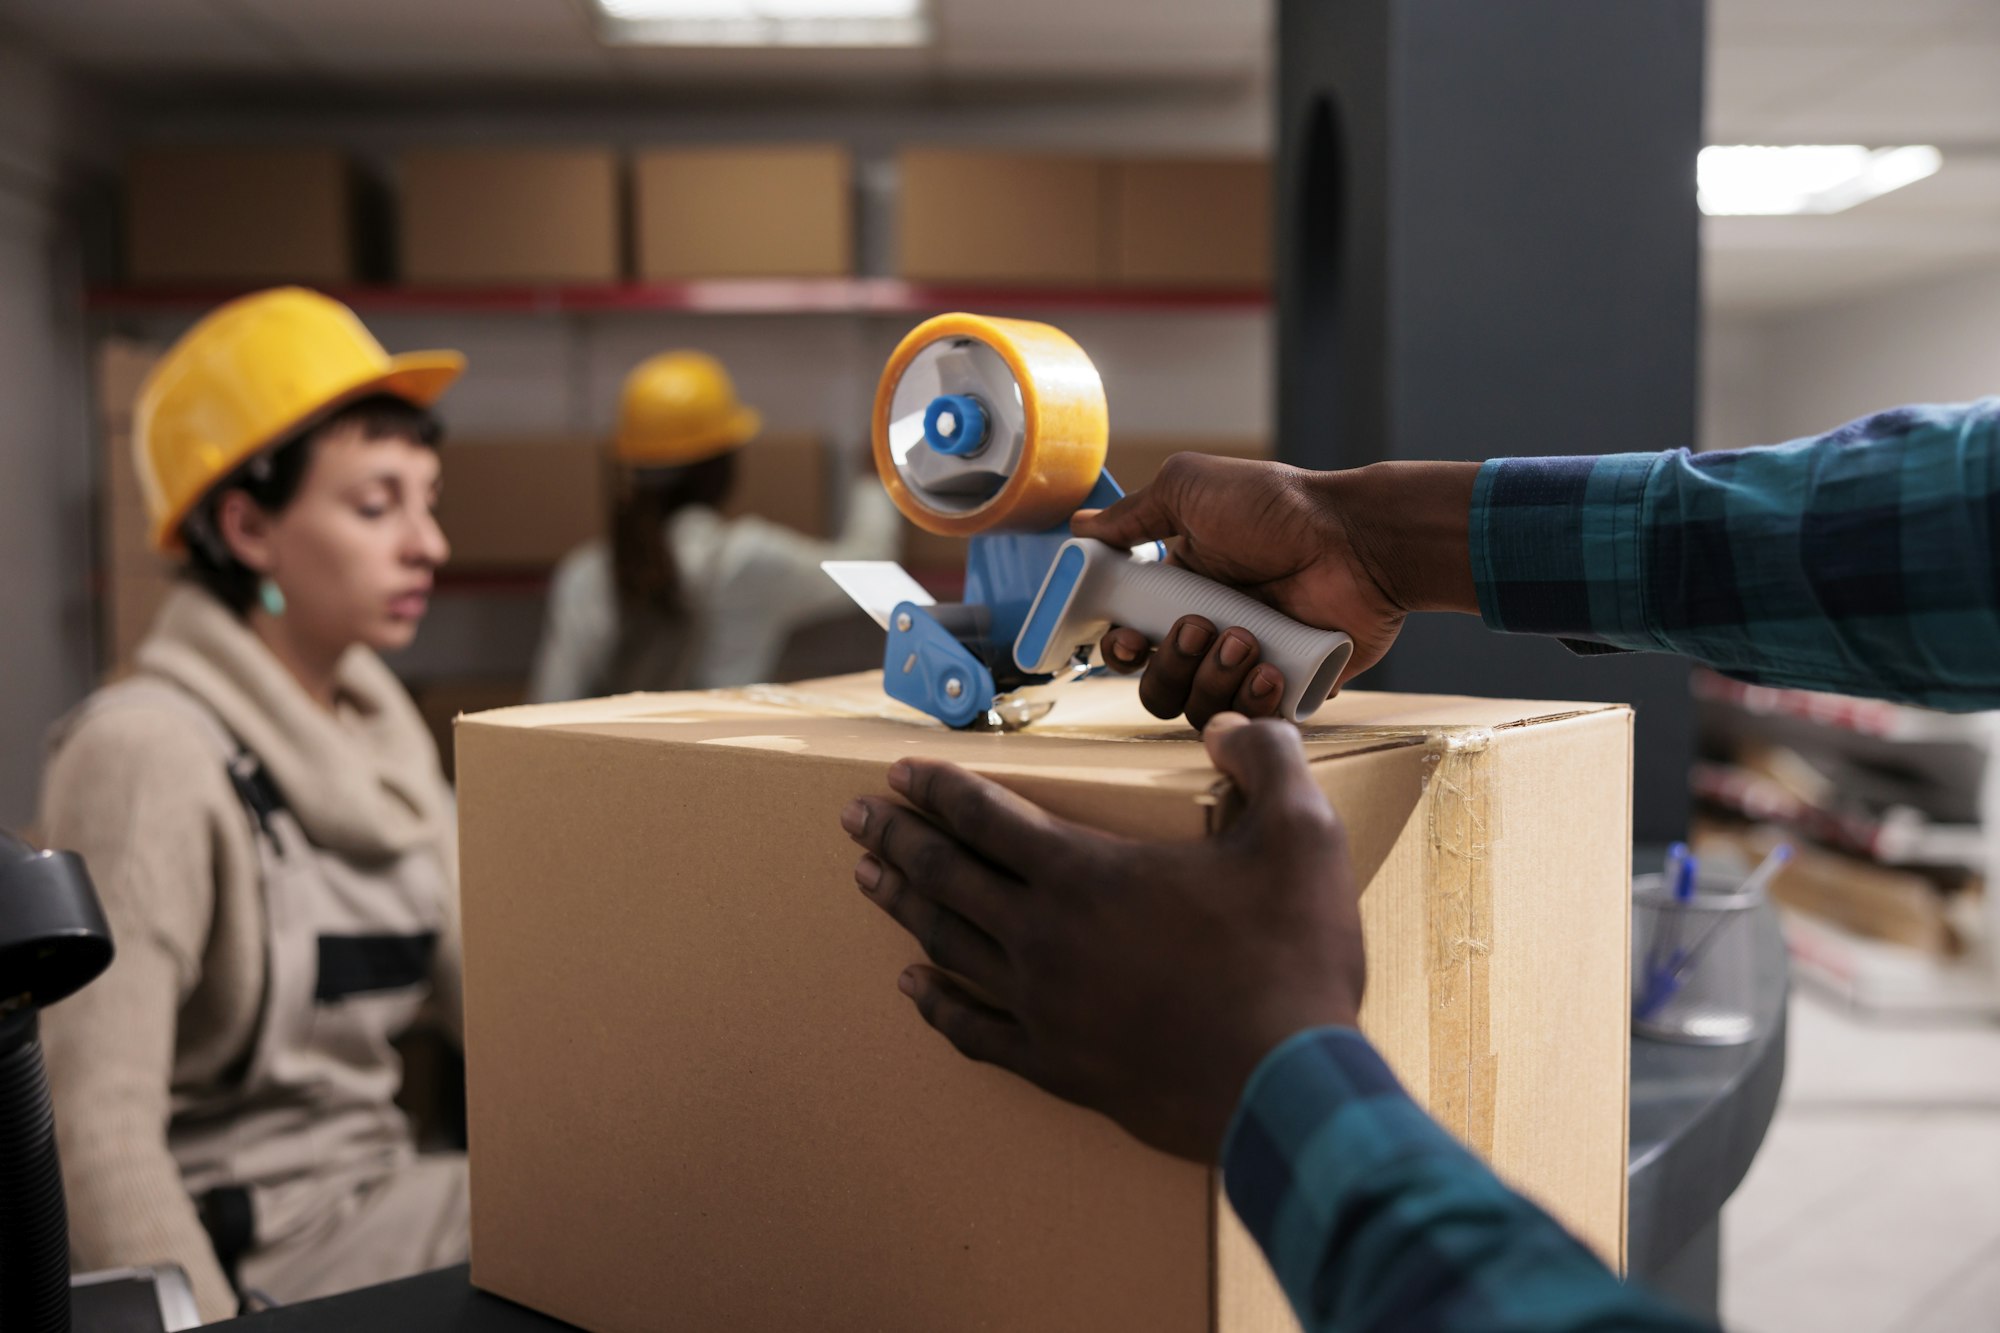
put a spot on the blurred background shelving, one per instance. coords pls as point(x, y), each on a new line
point(1889, 903)
point(558, 267)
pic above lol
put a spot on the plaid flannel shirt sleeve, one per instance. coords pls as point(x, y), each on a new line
point(1374, 1218)
point(1865, 561)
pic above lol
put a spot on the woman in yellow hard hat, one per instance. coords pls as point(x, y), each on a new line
point(682, 597)
point(264, 815)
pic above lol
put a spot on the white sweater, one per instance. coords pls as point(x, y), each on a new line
point(749, 582)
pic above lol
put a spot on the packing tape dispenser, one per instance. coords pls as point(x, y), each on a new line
point(996, 429)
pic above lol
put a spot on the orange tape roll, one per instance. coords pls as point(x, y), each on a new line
point(1044, 406)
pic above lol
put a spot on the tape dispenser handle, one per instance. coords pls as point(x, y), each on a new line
point(1091, 586)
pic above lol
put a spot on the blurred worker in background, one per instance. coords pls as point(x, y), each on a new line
point(682, 597)
point(264, 815)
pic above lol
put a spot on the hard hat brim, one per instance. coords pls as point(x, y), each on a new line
point(741, 428)
point(420, 377)
point(416, 377)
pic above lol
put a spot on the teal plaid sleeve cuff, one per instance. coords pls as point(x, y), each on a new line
point(1558, 547)
point(1374, 1218)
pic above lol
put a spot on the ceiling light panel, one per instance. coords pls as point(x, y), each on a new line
point(1740, 179)
point(847, 23)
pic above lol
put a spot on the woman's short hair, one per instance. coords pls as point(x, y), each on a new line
point(272, 479)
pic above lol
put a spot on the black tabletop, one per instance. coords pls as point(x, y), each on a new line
point(1699, 1114)
point(440, 1302)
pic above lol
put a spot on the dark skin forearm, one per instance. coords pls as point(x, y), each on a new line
point(1411, 528)
point(1355, 551)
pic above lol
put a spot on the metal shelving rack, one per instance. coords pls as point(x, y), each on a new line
point(1871, 975)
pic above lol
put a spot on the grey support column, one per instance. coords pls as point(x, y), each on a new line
point(1488, 244)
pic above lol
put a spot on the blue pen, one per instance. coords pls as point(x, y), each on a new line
point(1671, 876)
point(1684, 887)
point(1665, 954)
point(1683, 895)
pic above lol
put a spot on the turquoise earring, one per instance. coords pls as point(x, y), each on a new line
point(272, 597)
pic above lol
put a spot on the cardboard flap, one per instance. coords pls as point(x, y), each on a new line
point(1098, 733)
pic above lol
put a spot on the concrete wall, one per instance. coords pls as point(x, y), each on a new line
point(1936, 342)
point(1735, 382)
point(45, 615)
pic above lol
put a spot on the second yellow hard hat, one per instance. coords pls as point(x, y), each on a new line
point(252, 374)
point(681, 408)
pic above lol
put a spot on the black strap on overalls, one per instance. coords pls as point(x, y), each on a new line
point(227, 1213)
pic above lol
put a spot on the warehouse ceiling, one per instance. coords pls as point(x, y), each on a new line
point(1877, 72)
point(1782, 71)
point(555, 42)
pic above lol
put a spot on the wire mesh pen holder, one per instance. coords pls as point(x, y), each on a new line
point(1694, 976)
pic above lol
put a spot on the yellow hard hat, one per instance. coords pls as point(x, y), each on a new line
point(679, 408)
point(252, 374)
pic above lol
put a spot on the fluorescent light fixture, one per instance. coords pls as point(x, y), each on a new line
point(764, 22)
point(1806, 178)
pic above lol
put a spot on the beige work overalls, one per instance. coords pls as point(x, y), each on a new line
point(302, 1165)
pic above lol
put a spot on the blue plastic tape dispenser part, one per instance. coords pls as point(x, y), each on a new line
point(954, 660)
point(955, 425)
point(926, 667)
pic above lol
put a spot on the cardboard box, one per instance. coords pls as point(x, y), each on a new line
point(524, 504)
point(131, 579)
point(122, 367)
point(239, 215)
point(761, 211)
point(1876, 901)
point(1136, 459)
point(1191, 222)
point(501, 215)
point(1029, 218)
point(132, 599)
point(123, 527)
point(442, 700)
point(782, 476)
point(695, 1088)
point(926, 553)
point(521, 504)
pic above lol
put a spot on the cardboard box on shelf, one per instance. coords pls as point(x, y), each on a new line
point(521, 504)
point(122, 367)
point(782, 476)
point(1190, 222)
point(744, 211)
point(124, 546)
point(132, 578)
point(509, 215)
point(131, 599)
point(1136, 459)
point(928, 553)
point(123, 500)
point(441, 701)
point(977, 216)
point(1876, 901)
point(757, 1132)
point(126, 551)
point(239, 215)
point(524, 504)
point(1133, 460)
